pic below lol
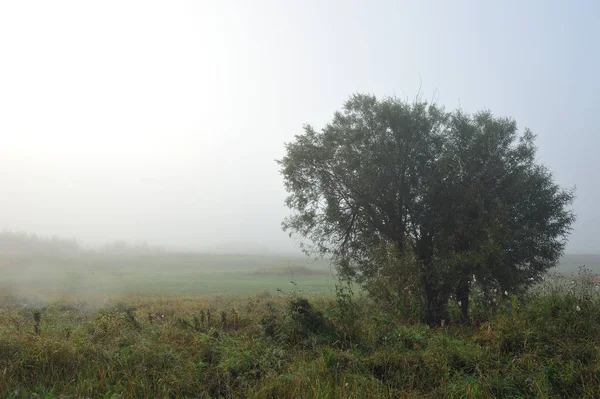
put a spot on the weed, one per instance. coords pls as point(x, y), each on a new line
point(37, 318)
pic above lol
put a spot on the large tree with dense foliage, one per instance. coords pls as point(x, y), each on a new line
point(445, 198)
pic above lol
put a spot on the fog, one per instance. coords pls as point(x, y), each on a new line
point(160, 121)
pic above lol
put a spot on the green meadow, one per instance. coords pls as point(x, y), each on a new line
point(102, 275)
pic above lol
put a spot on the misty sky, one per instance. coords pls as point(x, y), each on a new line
point(160, 121)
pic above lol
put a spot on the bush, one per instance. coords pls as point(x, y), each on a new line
point(305, 322)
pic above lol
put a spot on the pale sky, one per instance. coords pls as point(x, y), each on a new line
point(160, 121)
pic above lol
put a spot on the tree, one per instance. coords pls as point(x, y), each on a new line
point(507, 220)
point(387, 176)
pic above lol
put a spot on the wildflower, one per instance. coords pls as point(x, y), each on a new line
point(578, 308)
point(506, 293)
point(459, 303)
point(346, 385)
point(162, 316)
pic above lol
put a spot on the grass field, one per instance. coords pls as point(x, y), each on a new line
point(200, 326)
point(282, 346)
point(102, 275)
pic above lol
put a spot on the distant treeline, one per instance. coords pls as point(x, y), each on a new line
point(26, 244)
point(17, 243)
point(125, 248)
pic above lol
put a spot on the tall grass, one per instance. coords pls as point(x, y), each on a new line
point(544, 345)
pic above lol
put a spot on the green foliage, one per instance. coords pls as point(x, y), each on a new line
point(396, 286)
point(347, 313)
point(269, 321)
point(306, 325)
point(408, 197)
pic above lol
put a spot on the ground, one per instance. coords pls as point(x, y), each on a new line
point(188, 328)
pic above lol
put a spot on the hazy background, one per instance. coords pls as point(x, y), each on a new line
point(159, 121)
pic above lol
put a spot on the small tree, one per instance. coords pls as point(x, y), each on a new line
point(389, 176)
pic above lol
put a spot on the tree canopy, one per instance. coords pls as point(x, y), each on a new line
point(458, 197)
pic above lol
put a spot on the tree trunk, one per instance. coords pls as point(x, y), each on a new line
point(437, 308)
point(436, 301)
point(462, 297)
